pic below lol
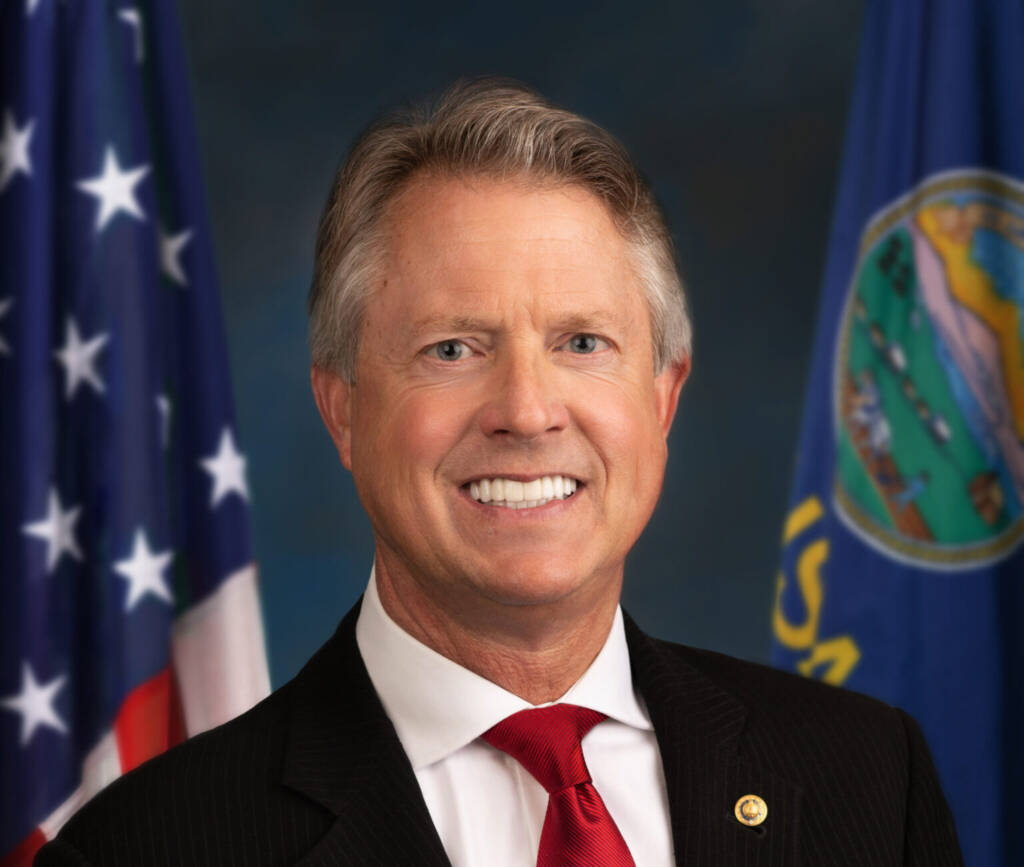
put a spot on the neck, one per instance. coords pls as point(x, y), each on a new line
point(534, 651)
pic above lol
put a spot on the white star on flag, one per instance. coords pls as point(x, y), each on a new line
point(58, 529)
point(79, 359)
point(227, 467)
point(35, 703)
point(14, 155)
point(144, 572)
point(170, 253)
point(115, 189)
point(5, 305)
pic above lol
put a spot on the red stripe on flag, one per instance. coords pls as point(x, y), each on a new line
point(22, 854)
point(150, 721)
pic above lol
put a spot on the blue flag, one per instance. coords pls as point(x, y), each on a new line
point(128, 608)
point(903, 565)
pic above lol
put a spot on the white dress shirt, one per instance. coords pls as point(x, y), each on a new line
point(487, 808)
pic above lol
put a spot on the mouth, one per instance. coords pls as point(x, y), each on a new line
point(503, 492)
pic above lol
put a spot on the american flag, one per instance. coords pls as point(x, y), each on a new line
point(128, 605)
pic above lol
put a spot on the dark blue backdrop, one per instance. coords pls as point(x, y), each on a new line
point(734, 110)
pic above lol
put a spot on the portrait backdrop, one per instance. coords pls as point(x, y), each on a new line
point(735, 112)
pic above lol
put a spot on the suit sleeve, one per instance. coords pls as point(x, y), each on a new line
point(931, 839)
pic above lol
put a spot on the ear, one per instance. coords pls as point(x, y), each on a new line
point(334, 400)
point(667, 386)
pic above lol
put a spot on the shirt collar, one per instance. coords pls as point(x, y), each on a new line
point(437, 706)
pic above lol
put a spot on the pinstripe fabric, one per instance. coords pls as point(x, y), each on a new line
point(848, 780)
point(315, 775)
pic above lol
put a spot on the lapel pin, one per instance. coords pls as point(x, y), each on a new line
point(751, 810)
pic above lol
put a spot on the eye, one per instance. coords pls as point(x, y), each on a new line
point(585, 344)
point(449, 350)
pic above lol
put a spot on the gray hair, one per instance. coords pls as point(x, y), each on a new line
point(494, 127)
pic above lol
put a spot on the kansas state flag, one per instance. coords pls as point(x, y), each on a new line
point(903, 561)
point(128, 608)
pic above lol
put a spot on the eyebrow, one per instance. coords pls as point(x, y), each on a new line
point(446, 322)
point(443, 322)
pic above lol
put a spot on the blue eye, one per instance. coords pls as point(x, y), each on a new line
point(584, 344)
point(449, 350)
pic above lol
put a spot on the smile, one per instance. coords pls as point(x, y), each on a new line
point(512, 494)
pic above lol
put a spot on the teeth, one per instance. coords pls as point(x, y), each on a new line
point(522, 495)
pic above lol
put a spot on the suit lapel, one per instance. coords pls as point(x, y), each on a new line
point(699, 728)
point(343, 753)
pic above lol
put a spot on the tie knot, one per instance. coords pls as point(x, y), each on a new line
point(546, 741)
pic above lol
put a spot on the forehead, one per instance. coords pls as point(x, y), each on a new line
point(479, 243)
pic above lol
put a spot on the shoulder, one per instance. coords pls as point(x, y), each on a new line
point(789, 717)
point(234, 754)
point(773, 691)
point(847, 752)
point(191, 799)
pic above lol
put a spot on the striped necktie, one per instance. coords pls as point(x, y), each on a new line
point(578, 829)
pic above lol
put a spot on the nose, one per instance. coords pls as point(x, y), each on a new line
point(526, 402)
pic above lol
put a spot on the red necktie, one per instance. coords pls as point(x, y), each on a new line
point(578, 829)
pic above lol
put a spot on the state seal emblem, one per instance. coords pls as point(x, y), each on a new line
point(928, 388)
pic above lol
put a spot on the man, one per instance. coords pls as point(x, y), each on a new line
point(499, 342)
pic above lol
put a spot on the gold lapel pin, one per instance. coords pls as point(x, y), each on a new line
point(751, 810)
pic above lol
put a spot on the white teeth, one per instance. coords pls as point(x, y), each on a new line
point(512, 494)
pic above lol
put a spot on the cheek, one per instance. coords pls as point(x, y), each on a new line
point(408, 433)
point(623, 425)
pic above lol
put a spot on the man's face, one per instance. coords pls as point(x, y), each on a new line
point(508, 341)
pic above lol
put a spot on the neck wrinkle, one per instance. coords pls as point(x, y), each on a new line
point(537, 671)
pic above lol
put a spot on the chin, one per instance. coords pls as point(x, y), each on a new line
point(540, 580)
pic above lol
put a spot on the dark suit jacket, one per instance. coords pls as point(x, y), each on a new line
point(316, 775)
